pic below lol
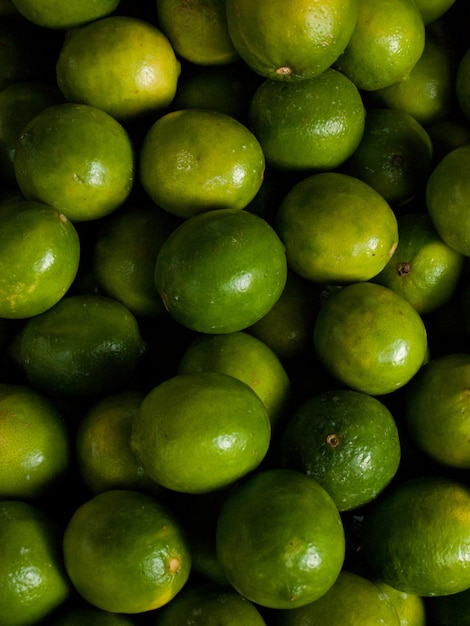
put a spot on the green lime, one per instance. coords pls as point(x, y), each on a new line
point(125, 552)
point(186, 172)
point(313, 124)
point(39, 258)
point(351, 600)
point(336, 228)
point(84, 346)
point(245, 357)
point(120, 64)
point(432, 10)
point(32, 578)
point(411, 608)
point(55, 14)
point(415, 537)
point(76, 158)
point(347, 441)
point(290, 41)
point(280, 539)
point(221, 271)
point(200, 431)
point(370, 338)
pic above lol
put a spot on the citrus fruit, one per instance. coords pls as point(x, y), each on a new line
point(447, 190)
point(209, 605)
point(201, 431)
point(436, 409)
point(449, 610)
point(346, 440)
point(245, 357)
point(186, 172)
point(124, 253)
point(55, 14)
point(103, 453)
point(370, 338)
point(91, 616)
point(462, 84)
point(351, 600)
point(198, 31)
point(34, 443)
point(428, 94)
point(221, 271)
point(314, 124)
point(125, 552)
point(424, 269)
point(19, 103)
point(432, 10)
point(120, 64)
point(32, 578)
point(336, 228)
point(394, 155)
point(387, 42)
point(39, 258)
point(416, 536)
point(410, 608)
point(76, 158)
point(280, 539)
point(85, 345)
point(290, 41)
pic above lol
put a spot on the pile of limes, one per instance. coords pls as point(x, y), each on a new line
point(234, 313)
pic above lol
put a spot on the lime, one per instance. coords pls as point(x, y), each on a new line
point(280, 539)
point(55, 14)
point(39, 258)
point(103, 453)
point(432, 10)
point(32, 578)
point(415, 537)
point(394, 156)
point(351, 600)
point(85, 345)
point(336, 228)
point(424, 269)
point(347, 441)
point(76, 158)
point(447, 188)
point(411, 608)
point(197, 30)
point(221, 271)
point(310, 124)
point(125, 552)
point(290, 41)
point(436, 409)
point(209, 605)
point(201, 431)
point(387, 42)
point(120, 64)
point(370, 338)
point(34, 443)
point(186, 172)
point(245, 357)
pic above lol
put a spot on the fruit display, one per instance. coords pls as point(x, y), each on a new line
point(234, 313)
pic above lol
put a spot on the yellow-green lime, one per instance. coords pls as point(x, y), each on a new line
point(77, 158)
point(346, 440)
point(200, 432)
point(197, 30)
point(221, 271)
point(313, 124)
point(336, 228)
point(33, 582)
point(351, 600)
point(125, 552)
point(431, 10)
point(280, 539)
point(370, 338)
point(55, 14)
point(120, 64)
point(424, 269)
point(410, 608)
point(415, 537)
point(39, 258)
point(387, 42)
point(186, 172)
point(290, 41)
